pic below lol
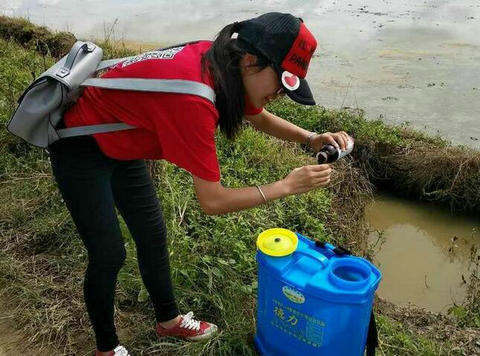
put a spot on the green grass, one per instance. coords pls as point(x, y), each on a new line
point(395, 340)
point(212, 257)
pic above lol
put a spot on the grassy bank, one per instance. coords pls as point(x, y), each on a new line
point(405, 161)
point(212, 257)
point(38, 38)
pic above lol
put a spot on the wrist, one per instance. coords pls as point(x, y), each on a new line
point(286, 189)
point(310, 136)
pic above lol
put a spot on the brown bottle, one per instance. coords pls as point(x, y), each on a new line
point(330, 153)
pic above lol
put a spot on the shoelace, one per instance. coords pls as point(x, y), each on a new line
point(121, 351)
point(189, 323)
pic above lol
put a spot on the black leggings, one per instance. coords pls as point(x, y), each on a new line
point(92, 185)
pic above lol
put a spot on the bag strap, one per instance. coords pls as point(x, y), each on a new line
point(93, 129)
point(110, 63)
point(177, 86)
point(147, 85)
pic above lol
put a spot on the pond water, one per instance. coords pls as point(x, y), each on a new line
point(401, 61)
point(425, 253)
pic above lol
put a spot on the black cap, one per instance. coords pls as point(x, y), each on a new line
point(287, 43)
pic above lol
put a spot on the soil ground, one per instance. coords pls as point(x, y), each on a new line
point(14, 342)
point(432, 325)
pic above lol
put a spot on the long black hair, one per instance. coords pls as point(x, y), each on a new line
point(223, 61)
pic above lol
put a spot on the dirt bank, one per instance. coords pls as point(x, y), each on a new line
point(432, 326)
point(14, 342)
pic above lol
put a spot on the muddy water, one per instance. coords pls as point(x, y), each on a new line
point(401, 61)
point(424, 254)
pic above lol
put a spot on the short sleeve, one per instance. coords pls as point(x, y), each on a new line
point(250, 109)
point(187, 136)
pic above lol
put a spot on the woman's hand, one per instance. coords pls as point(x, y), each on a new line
point(337, 139)
point(306, 178)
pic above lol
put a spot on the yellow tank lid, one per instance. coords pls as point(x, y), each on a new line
point(277, 242)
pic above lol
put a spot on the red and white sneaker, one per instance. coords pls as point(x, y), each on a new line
point(190, 329)
point(118, 351)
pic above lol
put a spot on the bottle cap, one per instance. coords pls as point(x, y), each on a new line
point(277, 242)
point(322, 157)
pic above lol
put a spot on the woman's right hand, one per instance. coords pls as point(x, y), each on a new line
point(306, 178)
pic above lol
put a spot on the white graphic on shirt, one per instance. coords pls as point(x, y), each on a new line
point(164, 54)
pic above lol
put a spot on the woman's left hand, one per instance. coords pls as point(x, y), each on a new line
point(337, 139)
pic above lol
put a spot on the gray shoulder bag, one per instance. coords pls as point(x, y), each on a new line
point(41, 106)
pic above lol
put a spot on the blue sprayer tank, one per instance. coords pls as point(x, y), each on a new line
point(311, 300)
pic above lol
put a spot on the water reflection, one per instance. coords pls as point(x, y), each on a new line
point(426, 252)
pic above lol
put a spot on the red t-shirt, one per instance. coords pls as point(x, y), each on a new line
point(177, 127)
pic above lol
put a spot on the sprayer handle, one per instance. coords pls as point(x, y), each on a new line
point(315, 255)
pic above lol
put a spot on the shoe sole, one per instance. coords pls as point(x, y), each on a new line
point(207, 335)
